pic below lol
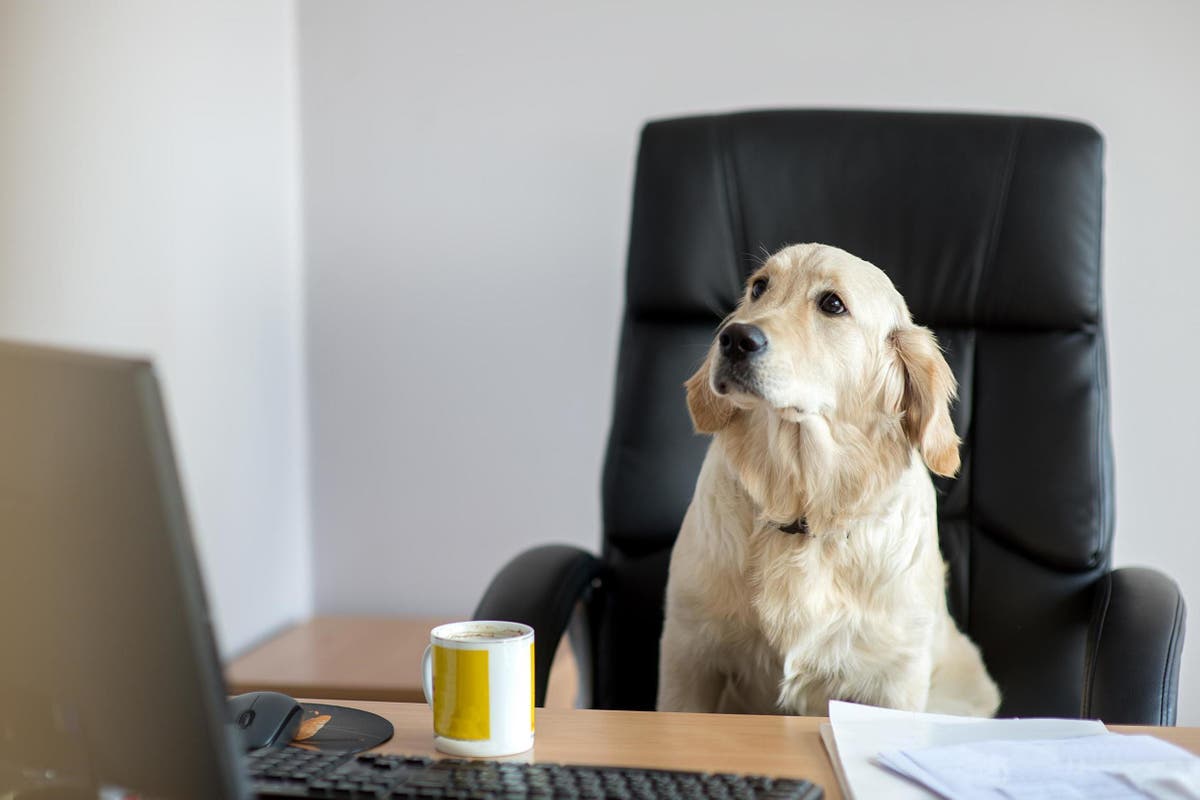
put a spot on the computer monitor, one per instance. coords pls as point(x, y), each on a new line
point(110, 685)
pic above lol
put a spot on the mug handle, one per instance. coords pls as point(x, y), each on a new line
point(427, 673)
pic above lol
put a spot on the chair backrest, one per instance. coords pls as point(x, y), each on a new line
point(990, 228)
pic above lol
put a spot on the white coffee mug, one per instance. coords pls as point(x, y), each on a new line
point(478, 677)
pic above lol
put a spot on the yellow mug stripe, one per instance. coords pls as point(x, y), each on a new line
point(461, 700)
point(532, 685)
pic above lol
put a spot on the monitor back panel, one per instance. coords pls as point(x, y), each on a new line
point(108, 676)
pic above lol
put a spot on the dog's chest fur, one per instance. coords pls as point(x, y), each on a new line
point(836, 614)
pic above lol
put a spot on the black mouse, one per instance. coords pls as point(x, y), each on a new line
point(265, 719)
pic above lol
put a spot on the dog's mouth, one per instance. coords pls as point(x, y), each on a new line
point(735, 378)
point(742, 384)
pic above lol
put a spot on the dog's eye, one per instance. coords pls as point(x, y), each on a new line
point(832, 305)
point(758, 288)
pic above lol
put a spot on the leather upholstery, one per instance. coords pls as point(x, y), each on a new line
point(1134, 642)
point(990, 227)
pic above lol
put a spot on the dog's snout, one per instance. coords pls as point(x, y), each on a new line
point(739, 341)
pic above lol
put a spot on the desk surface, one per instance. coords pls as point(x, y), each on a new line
point(769, 745)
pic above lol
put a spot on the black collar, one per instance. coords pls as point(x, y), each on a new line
point(799, 526)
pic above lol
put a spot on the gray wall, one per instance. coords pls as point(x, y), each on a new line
point(149, 204)
point(467, 171)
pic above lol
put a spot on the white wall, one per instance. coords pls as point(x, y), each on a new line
point(468, 171)
point(149, 204)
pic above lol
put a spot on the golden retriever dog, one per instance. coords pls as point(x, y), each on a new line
point(807, 568)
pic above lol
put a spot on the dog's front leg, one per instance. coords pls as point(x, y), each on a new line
point(907, 688)
point(688, 679)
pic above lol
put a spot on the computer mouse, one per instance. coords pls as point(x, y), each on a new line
point(265, 719)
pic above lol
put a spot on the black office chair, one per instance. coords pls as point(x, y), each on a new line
point(990, 228)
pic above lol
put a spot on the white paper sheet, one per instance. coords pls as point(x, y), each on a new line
point(1081, 767)
point(860, 732)
point(1172, 781)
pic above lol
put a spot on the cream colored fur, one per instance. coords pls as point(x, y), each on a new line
point(839, 423)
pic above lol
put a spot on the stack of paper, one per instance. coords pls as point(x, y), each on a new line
point(981, 759)
point(1097, 767)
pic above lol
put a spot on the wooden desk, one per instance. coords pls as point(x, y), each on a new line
point(362, 658)
point(778, 746)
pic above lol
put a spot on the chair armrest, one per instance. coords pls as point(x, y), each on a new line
point(1131, 666)
point(540, 587)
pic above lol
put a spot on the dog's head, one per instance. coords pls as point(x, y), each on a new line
point(822, 341)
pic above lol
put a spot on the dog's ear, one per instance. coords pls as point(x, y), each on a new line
point(710, 413)
point(929, 387)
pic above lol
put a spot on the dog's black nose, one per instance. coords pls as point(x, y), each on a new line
point(740, 341)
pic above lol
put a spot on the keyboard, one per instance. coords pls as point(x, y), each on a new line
point(292, 772)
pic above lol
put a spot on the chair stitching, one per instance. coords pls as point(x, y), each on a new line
point(969, 539)
point(733, 204)
point(985, 265)
point(1172, 656)
point(1103, 465)
point(989, 256)
point(1104, 537)
point(1093, 652)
